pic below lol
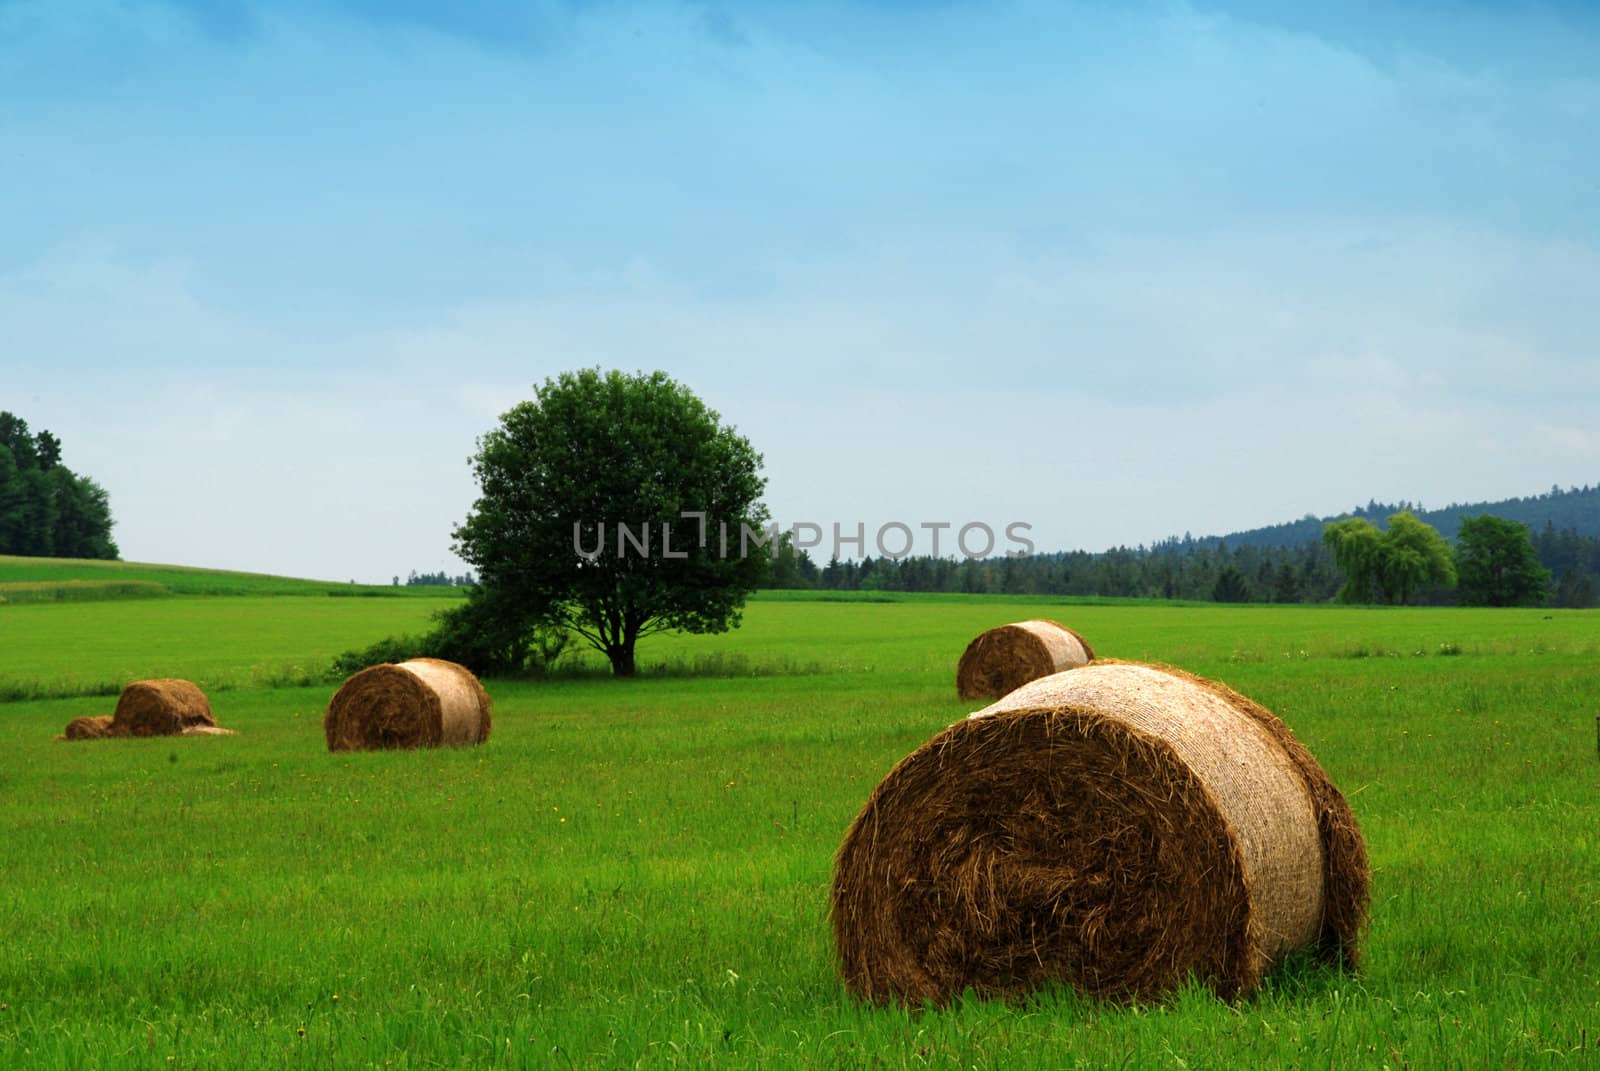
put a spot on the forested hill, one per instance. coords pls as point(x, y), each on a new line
point(1577, 509)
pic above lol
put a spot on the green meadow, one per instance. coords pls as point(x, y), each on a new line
point(636, 873)
point(24, 580)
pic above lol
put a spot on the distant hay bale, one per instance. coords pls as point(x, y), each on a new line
point(96, 727)
point(1003, 659)
point(164, 707)
point(1117, 828)
point(424, 702)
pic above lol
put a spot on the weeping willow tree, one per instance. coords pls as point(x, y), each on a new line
point(1392, 565)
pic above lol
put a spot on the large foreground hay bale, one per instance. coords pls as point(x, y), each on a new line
point(424, 702)
point(1116, 828)
point(1003, 659)
point(164, 707)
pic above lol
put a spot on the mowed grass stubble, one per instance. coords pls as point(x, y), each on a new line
point(638, 871)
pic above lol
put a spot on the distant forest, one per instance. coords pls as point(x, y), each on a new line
point(47, 510)
point(1577, 508)
point(441, 579)
point(1283, 563)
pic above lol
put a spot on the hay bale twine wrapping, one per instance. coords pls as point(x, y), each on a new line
point(1003, 659)
point(164, 707)
point(95, 727)
point(1116, 828)
point(424, 702)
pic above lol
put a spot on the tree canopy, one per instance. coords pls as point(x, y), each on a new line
point(1392, 565)
point(47, 510)
point(616, 506)
point(1497, 564)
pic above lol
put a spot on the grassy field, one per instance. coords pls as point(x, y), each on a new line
point(31, 580)
point(636, 873)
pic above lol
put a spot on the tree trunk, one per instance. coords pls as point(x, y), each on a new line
point(621, 656)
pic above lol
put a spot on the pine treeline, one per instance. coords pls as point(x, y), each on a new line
point(1576, 508)
point(47, 510)
point(1170, 571)
point(1202, 570)
point(441, 579)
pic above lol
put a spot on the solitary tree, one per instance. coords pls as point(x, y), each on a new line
point(616, 506)
point(1392, 565)
point(1497, 565)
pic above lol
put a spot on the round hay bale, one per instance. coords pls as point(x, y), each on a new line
point(1117, 828)
point(164, 707)
point(96, 727)
point(424, 702)
point(1003, 659)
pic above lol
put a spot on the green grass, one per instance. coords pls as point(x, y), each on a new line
point(635, 873)
point(74, 579)
point(219, 642)
point(31, 591)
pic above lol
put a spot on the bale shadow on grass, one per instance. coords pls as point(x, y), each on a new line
point(717, 665)
point(1302, 976)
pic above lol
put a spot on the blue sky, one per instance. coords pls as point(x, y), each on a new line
point(1115, 271)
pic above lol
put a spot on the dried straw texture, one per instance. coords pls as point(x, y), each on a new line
point(97, 727)
point(424, 702)
point(163, 707)
point(1346, 873)
point(1116, 828)
point(1003, 659)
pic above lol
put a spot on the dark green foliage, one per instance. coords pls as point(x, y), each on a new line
point(390, 649)
point(1497, 565)
point(594, 453)
point(1573, 557)
point(1183, 568)
point(1576, 590)
point(477, 634)
point(441, 579)
point(1171, 570)
point(45, 509)
point(492, 639)
point(1285, 584)
point(789, 569)
point(1577, 508)
point(1229, 586)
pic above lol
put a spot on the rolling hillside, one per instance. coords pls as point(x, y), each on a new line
point(25, 579)
point(1577, 509)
